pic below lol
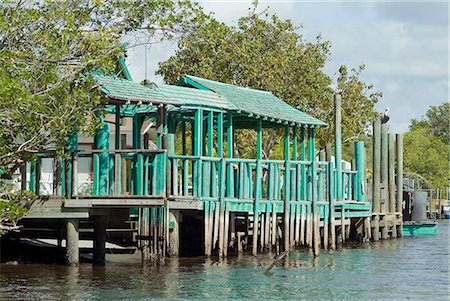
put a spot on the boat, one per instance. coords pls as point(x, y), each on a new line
point(419, 228)
point(415, 221)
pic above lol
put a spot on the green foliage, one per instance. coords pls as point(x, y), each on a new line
point(14, 205)
point(265, 52)
point(48, 52)
point(426, 147)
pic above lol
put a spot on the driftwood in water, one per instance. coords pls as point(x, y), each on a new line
point(269, 272)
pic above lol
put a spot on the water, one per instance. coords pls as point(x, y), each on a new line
point(410, 268)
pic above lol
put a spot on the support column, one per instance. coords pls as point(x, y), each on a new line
point(361, 171)
point(400, 181)
point(303, 183)
point(287, 193)
point(338, 145)
point(174, 233)
point(376, 171)
point(314, 195)
point(391, 176)
point(101, 162)
point(99, 239)
point(384, 177)
point(258, 188)
point(72, 251)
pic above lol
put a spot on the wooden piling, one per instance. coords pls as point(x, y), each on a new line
point(226, 230)
point(303, 241)
point(391, 177)
point(376, 171)
point(274, 226)
point(399, 206)
point(384, 178)
point(287, 191)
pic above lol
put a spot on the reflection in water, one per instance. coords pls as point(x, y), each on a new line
point(410, 268)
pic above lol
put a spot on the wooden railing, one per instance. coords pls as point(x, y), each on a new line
point(201, 178)
point(111, 173)
point(142, 172)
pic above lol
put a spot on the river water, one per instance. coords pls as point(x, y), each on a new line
point(414, 268)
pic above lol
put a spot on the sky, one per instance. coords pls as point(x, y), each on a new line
point(404, 46)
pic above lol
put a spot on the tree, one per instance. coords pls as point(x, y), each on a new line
point(427, 149)
point(265, 52)
point(49, 51)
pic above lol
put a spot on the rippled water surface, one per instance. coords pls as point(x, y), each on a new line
point(410, 268)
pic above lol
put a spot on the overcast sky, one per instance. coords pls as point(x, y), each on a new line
point(404, 46)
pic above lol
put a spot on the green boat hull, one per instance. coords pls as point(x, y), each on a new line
point(421, 229)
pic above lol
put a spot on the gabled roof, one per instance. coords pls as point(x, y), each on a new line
point(256, 102)
point(193, 91)
point(126, 90)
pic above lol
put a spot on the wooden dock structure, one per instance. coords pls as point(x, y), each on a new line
point(185, 192)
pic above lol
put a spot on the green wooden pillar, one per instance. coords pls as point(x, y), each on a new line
point(361, 171)
point(183, 138)
point(287, 193)
point(258, 185)
point(230, 154)
point(72, 146)
point(311, 144)
point(34, 177)
point(338, 145)
point(101, 169)
point(210, 124)
point(197, 141)
point(294, 144)
point(220, 135)
point(303, 183)
point(259, 139)
point(117, 156)
point(138, 159)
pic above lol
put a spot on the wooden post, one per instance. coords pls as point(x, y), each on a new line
point(304, 181)
point(400, 181)
point(138, 159)
point(99, 239)
point(303, 225)
point(376, 171)
point(258, 188)
point(287, 193)
point(323, 197)
point(230, 154)
point(197, 142)
point(206, 213)
point(391, 177)
point(220, 135)
point(361, 171)
point(274, 225)
point(384, 177)
point(338, 145)
point(331, 205)
point(222, 188)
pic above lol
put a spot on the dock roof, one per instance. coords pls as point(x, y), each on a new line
point(199, 92)
point(256, 102)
